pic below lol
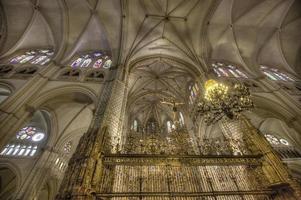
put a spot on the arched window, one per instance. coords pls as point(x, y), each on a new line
point(68, 147)
point(227, 70)
point(193, 92)
point(36, 57)
point(169, 126)
point(96, 60)
point(276, 75)
point(181, 120)
point(29, 139)
point(273, 140)
point(135, 125)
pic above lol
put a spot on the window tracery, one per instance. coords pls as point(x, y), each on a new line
point(193, 92)
point(276, 75)
point(60, 164)
point(134, 126)
point(96, 60)
point(283, 147)
point(37, 57)
point(68, 147)
point(273, 140)
point(28, 140)
point(26, 143)
point(227, 70)
point(169, 126)
point(181, 119)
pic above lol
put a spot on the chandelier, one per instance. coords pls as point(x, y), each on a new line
point(221, 101)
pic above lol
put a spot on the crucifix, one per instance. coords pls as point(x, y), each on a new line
point(174, 105)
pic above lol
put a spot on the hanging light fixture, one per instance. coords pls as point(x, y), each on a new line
point(221, 100)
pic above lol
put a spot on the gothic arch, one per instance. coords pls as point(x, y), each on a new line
point(15, 173)
point(267, 103)
point(192, 68)
point(86, 92)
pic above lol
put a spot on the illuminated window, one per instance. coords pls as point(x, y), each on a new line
point(169, 126)
point(193, 92)
point(37, 57)
point(95, 60)
point(276, 75)
point(273, 140)
point(181, 120)
point(28, 140)
point(68, 147)
point(227, 70)
point(135, 125)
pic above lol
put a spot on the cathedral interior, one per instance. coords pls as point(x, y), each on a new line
point(150, 99)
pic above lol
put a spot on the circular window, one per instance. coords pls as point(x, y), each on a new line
point(38, 137)
point(283, 141)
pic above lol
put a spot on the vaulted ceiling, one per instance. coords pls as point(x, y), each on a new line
point(153, 80)
point(163, 44)
point(248, 33)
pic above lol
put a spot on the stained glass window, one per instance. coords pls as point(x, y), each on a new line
point(28, 139)
point(168, 125)
point(276, 75)
point(107, 64)
point(37, 57)
point(95, 60)
point(135, 125)
point(97, 64)
point(19, 150)
point(273, 140)
point(86, 62)
point(77, 62)
point(68, 147)
point(60, 163)
point(30, 133)
point(227, 70)
point(193, 89)
point(181, 119)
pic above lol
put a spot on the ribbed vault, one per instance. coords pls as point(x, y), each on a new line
point(248, 33)
point(152, 80)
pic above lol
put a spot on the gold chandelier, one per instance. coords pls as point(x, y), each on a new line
point(221, 100)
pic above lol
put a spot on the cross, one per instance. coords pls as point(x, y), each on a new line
point(174, 105)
